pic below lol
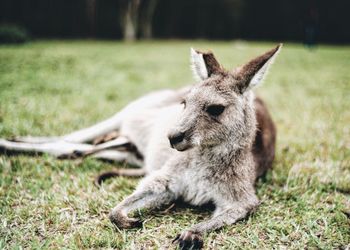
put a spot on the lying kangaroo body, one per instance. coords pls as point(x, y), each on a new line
point(222, 138)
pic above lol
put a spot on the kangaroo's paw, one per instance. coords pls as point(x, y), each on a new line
point(124, 222)
point(189, 240)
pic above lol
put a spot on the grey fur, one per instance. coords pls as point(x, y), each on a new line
point(214, 161)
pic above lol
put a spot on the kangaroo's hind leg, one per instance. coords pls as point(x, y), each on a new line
point(64, 149)
point(57, 148)
point(34, 139)
point(149, 101)
point(81, 136)
point(119, 156)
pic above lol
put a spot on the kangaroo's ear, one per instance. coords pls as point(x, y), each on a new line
point(253, 73)
point(204, 64)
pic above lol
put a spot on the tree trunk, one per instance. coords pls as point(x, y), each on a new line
point(91, 16)
point(130, 20)
point(147, 18)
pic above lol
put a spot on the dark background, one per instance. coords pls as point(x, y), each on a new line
point(292, 20)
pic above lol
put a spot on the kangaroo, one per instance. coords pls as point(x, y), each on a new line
point(205, 143)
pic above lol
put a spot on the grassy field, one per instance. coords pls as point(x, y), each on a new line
point(54, 87)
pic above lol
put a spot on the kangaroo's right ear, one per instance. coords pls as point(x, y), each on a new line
point(252, 73)
point(204, 64)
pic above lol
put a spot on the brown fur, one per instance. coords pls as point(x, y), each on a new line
point(265, 138)
point(248, 71)
point(213, 66)
point(105, 138)
point(127, 172)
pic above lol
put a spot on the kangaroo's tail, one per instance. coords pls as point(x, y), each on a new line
point(127, 172)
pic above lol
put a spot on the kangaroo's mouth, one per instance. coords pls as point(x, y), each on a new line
point(182, 146)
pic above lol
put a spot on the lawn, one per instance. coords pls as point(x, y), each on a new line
point(55, 87)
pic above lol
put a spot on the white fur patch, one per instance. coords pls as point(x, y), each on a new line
point(198, 66)
point(196, 141)
point(260, 75)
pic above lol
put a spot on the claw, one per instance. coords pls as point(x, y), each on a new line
point(176, 239)
point(124, 222)
point(189, 240)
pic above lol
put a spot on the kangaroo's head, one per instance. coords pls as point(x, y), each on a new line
point(219, 109)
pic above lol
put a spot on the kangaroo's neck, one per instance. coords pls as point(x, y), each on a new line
point(225, 155)
point(225, 163)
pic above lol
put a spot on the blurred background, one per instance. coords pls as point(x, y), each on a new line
point(308, 21)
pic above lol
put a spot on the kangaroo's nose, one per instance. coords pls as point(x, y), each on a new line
point(176, 138)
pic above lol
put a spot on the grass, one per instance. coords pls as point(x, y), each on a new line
point(54, 87)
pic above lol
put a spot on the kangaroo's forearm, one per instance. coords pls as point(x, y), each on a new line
point(151, 194)
point(227, 217)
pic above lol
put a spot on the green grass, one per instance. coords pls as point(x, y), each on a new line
point(54, 87)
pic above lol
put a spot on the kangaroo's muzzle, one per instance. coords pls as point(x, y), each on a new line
point(179, 141)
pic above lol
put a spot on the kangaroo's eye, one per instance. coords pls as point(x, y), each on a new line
point(183, 102)
point(215, 110)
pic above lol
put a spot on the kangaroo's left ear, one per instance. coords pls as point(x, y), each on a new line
point(253, 73)
point(204, 64)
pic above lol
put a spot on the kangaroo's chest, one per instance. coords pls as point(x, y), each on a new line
point(195, 187)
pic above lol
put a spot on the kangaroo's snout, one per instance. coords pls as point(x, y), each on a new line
point(179, 141)
point(176, 138)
